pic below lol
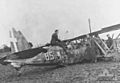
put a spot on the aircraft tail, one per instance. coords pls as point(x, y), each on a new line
point(22, 43)
point(19, 42)
point(13, 42)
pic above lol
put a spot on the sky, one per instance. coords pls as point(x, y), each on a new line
point(37, 19)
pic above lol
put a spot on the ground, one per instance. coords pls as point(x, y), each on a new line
point(101, 72)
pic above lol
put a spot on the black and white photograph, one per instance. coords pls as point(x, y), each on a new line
point(59, 41)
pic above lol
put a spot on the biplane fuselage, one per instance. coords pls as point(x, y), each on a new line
point(39, 57)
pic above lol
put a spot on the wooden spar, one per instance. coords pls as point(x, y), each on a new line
point(112, 36)
point(118, 36)
point(100, 48)
point(115, 41)
point(89, 25)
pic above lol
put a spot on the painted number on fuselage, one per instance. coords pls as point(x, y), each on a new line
point(49, 56)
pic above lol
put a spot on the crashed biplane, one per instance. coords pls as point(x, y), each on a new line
point(22, 54)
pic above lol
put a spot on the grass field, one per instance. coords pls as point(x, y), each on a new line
point(79, 73)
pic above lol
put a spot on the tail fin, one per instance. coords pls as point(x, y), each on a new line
point(22, 43)
point(13, 42)
point(18, 42)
